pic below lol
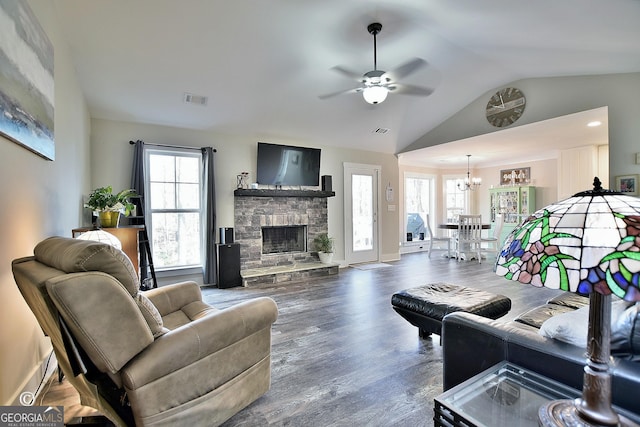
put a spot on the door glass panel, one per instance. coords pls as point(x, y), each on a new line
point(417, 203)
point(362, 193)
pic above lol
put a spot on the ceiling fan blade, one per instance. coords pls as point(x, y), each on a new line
point(342, 92)
point(405, 69)
point(409, 89)
point(348, 73)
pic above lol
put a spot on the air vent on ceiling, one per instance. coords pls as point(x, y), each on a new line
point(190, 98)
point(381, 130)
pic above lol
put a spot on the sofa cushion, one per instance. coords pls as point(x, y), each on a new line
point(570, 299)
point(572, 326)
point(625, 334)
point(75, 256)
point(538, 315)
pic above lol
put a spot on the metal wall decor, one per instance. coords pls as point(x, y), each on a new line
point(516, 176)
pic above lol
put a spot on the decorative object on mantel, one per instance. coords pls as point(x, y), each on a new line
point(469, 183)
point(242, 180)
point(109, 206)
point(324, 245)
point(518, 176)
point(588, 244)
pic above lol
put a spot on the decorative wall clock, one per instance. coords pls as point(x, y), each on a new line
point(505, 107)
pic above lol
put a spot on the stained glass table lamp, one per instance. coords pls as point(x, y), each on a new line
point(589, 244)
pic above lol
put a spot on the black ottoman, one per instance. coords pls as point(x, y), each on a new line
point(425, 306)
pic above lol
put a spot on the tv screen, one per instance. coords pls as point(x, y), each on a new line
point(287, 165)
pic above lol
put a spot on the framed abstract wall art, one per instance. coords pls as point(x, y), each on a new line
point(627, 184)
point(26, 80)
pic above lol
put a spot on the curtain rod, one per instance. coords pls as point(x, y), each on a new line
point(172, 146)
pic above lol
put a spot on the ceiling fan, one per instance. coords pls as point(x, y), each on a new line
point(377, 84)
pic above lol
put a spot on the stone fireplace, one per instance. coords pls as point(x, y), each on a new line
point(277, 227)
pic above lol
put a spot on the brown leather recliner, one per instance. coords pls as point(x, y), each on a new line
point(160, 357)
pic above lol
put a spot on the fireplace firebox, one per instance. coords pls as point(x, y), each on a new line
point(285, 239)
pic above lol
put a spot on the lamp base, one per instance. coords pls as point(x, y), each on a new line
point(564, 413)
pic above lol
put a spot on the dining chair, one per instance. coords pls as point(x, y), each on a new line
point(434, 238)
point(494, 241)
point(469, 237)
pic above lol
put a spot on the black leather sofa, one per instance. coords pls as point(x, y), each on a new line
point(472, 344)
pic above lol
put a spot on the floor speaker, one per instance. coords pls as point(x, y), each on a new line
point(326, 183)
point(228, 265)
point(226, 235)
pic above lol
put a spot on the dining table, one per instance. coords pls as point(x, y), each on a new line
point(454, 226)
point(466, 254)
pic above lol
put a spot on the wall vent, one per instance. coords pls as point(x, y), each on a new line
point(190, 98)
point(381, 130)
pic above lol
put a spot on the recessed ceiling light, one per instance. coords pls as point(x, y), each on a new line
point(594, 123)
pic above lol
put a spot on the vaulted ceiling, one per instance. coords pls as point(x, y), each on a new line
point(263, 64)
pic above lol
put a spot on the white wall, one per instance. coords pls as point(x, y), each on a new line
point(112, 158)
point(39, 198)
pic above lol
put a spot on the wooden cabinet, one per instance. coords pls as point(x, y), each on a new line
point(128, 236)
point(514, 203)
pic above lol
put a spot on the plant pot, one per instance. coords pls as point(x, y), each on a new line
point(325, 257)
point(109, 219)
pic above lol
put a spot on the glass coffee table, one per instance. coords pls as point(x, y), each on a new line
point(502, 396)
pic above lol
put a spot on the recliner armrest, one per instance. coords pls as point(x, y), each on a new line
point(170, 298)
point(188, 344)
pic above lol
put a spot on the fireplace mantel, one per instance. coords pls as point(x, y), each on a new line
point(240, 192)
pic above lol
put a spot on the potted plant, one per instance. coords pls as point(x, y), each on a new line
point(109, 206)
point(324, 245)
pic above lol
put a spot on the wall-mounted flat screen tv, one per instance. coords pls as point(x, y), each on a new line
point(288, 165)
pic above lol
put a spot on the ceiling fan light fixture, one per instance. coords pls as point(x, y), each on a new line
point(375, 94)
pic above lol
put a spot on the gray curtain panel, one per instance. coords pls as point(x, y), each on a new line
point(209, 195)
point(137, 183)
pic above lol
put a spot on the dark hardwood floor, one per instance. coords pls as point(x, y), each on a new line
point(342, 356)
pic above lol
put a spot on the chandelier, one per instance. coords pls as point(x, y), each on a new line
point(469, 183)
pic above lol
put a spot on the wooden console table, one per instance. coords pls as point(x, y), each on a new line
point(128, 236)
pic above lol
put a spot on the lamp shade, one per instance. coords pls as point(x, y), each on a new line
point(375, 94)
point(587, 243)
point(101, 236)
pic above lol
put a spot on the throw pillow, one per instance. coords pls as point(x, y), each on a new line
point(572, 327)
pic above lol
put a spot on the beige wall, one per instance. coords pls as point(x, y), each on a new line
point(39, 198)
point(112, 158)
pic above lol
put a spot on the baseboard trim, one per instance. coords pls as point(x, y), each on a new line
point(37, 374)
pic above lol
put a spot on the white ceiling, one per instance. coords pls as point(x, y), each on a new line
point(263, 64)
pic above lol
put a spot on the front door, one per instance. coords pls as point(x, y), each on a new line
point(361, 212)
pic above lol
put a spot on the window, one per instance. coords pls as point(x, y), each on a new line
point(455, 199)
point(173, 204)
point(419, 201)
